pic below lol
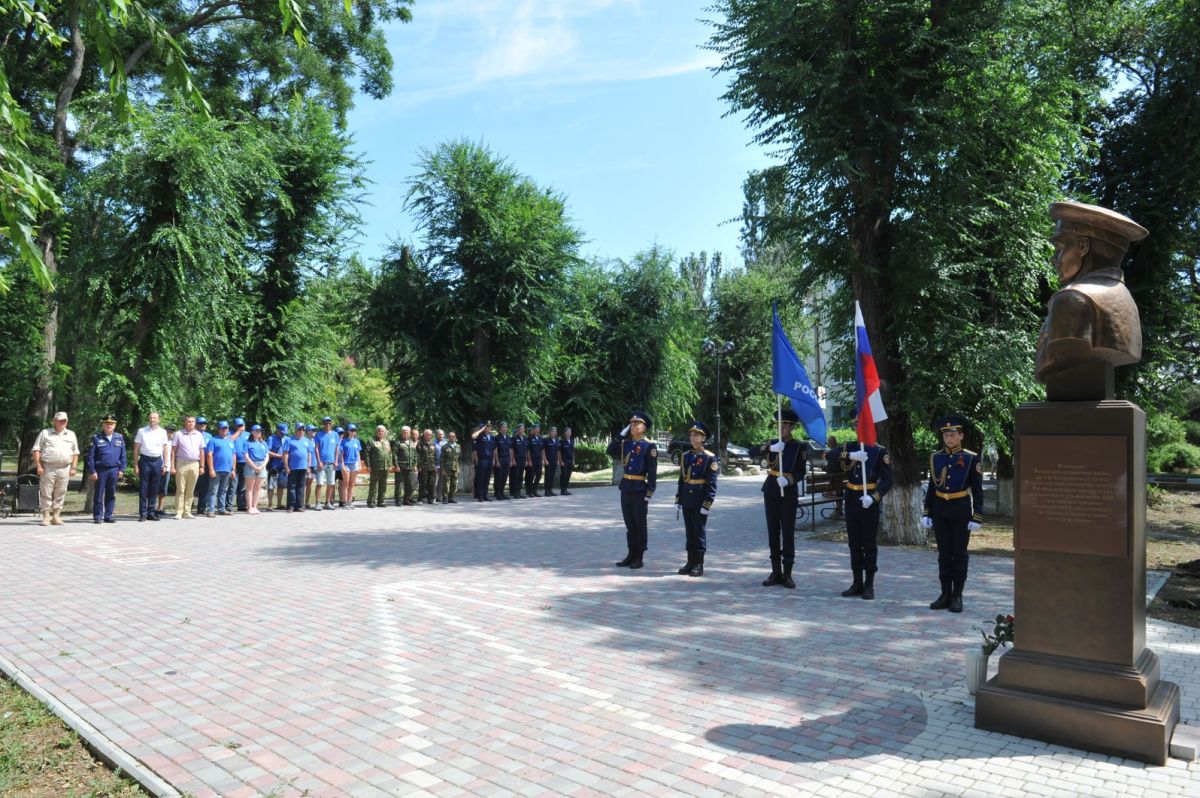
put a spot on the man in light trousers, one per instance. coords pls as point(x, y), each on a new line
point(55, 456)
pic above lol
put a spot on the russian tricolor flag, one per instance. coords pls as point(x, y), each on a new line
point(866, 382)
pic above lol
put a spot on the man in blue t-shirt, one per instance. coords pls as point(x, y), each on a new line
point(348, 457)
point(296, 452)
point(327, 445)
point(220, 459)
point(276, 481)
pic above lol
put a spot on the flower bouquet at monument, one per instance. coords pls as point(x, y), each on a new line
point(1002, 634)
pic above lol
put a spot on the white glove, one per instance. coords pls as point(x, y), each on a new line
point(647, 498)
point(782, 481)
point(777, 446)
point(974, 526)
point(625, 431)
point(867, 501)
point(927, 523)
point(858, 456)
point(703, 511)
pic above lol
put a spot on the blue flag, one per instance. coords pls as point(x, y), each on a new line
point(791, 380)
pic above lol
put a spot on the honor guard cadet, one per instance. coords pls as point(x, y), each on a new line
point(104, 464)
point(502, 461)
point(698, 471)
point(550, 457)
point(953, 508)
point(566, 461)
point(485, 452)
point(516, 475)
point(868, 479)
point(533, 466)
point(781, 491)
point(639, 460)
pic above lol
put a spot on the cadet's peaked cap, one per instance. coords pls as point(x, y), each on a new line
point(698, 426)
point(108, 417)
point(640, 415)
point(788, 414)
point(520, 425)
point(950, 422)
point(535, 425)
point(1092, 220)
point(504, 423)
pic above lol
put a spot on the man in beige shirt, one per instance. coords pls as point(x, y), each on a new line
point(55, 456)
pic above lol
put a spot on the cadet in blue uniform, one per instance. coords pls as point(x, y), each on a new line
point(485, 452)
point(550, 456)
point(566, 461)
point(785, 473)
point(533, 463)
point(502, 460)
point(868, 479)
point(953, 508)
point(639, 459)
point(698, 471)
point(105, 460)
point(516, 474)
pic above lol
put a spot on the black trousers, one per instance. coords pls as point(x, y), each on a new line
point(483, 478)
point(633, 508)
point(862, 527)
point(533, 475)
point(693, 526)
point(551, 470)
point(149, 475)
point(781, 524)
point(501, 479)
point(516, 474)
point(950, 519)
point(564, 478)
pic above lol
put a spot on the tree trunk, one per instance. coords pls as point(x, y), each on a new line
point(902, 511)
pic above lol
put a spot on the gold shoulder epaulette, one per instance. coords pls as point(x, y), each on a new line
point(710, 454)
point(968, 451)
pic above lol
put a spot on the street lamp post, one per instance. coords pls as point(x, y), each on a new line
point(711, 348)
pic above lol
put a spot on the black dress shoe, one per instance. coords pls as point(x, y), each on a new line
point(633, 566)
point(775, 578)
point(113, 521)
point(452, 501)
point(941, 602)
point(853, 590)
point(153, 517)
point(620, 563)
point(566, 493)
point(95, 520)
point(141, 518)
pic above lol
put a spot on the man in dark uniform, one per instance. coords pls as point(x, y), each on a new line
point(516, 463)
point(550, 458)
point(698, 471)
point(502, 460)
point(953, 508)
point(485, 452)
point(868, 479)
point(639, 460)
point(781, 491)
point(566, 461)
point(104, 464)
point(533, 460)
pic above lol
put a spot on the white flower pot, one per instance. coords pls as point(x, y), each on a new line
point(977, 667)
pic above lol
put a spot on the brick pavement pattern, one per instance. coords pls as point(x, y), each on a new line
point(493, 650)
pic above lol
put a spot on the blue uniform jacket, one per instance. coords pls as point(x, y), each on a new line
point(879, 470)
point(503, 448)
point(485, 446)
point(639, 458)
point(520, 446)
point(103, 453)
point(566, 450)
point(788, 463)
point(535, 449)
point(698, 473)
point(550, 449)
point(955, 477)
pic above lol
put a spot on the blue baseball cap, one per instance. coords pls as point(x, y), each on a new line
point(222, 425)
point(338, 430)
point(239, 422)
point(299, 425)
point(256, 428)
point(281, 426)
point(201, 420)
point(310, 427)
point(353, 428)
point(326, 420)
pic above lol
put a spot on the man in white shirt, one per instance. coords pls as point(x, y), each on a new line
point(149, 446)
point(55, 456)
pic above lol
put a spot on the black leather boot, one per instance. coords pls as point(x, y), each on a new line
point(868, 591)
point(943, 601)
point(956, 596)
point(776, 577)
point(698, 565)
point(687, 569)
point(637, 561)
point(625, 562)
point(786, 579)
point(855, 589)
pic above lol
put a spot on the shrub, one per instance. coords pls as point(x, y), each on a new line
point(591, 457)
point(1173, 457)
point(1162, 429)
point(1155, 495)
point(1193, 432)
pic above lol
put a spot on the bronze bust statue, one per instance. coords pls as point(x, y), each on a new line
point(1092, 323)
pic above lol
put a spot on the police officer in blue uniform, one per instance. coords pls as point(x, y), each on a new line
point(639, 461)
point(533, 467)
point(566, 458)
point(550, 454)
point(698, 471)
point(105, 460)
point(485, 452)
point(520, 446)
point(868, 479)
point(953, 508)
point(501, 460)
point(781, 491)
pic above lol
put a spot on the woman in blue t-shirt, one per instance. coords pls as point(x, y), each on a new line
point(351, 450)
point(258, 454)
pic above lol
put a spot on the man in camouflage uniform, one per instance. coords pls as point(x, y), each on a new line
point(378, 454)
point(427, 466)
point(451, 457)
point(404, 459)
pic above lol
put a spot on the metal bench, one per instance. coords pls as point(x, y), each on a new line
point(821, 488)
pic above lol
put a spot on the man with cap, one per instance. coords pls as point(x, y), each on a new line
point(781, 491)
point(220, 460)
point(550, 458)
point(953, 508)
point(348, 457)
point(698, 471)
point(55, 457)
point(276, 480)
point(484, 455)
point(327, 441)
point(451, 458)
point(297, 454)
point(310, 432)
point(104, 463)
point(868, 479)
point(236, 495)
point(639, 470)
point(202, 478)
point(516, 462)
point(164, 484)
point(149, 445)
point(566, 461)
point(502, 461)
point(426, 467)
point(187, 459)
point(533, 460)
point(378, 456)
point(404, 458)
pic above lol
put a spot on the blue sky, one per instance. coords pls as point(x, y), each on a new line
point(609, 102)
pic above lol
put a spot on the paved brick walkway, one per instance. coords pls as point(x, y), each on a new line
point(488, 650)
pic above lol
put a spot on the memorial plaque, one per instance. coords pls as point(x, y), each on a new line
point(1074, 494)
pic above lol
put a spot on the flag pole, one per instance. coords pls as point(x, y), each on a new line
point(779, 431)
point(862, 445)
